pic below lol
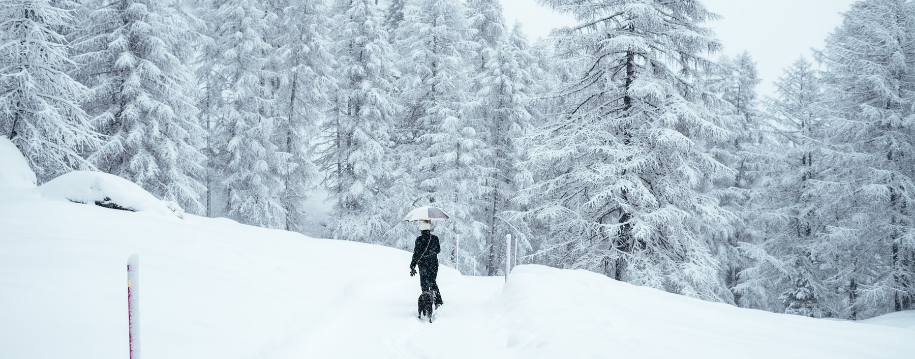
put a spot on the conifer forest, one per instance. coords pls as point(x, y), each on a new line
point(625, 145)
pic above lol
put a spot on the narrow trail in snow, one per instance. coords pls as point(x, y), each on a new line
point(374, 316)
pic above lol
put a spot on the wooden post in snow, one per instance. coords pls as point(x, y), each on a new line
point(516, 255)
point(133, 304)
point(508, 255)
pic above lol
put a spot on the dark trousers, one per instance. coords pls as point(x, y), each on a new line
point(427, 274)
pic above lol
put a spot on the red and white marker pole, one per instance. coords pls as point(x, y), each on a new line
point(133, 304)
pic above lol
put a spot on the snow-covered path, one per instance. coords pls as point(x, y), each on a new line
point(211, 288)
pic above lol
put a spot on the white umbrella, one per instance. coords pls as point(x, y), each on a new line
point(426, 213)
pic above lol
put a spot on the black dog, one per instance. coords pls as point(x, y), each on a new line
point(425, 304)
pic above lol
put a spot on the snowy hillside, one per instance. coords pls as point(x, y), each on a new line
point(212, 288)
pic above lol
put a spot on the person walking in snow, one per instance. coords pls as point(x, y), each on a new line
point(425, 254)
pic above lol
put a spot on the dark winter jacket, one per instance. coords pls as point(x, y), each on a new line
point(425, 252)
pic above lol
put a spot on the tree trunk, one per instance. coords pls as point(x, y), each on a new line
point(853, 298)
point(289, 122)
point(209, 151)
point(13, 133)
point(624, 238)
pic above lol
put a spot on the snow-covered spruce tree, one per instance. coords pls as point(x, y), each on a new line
point(251, 165)
point(738, 87)
point(437, 143)
point(356, 140)
point(209, 101)
point(39, 102)
point(486, 32)
point(302, 65)
point(790, 208)
point(734, 81)
point(624, 172)
point(134, 56)
point(870, 97)
point(547, 72)
point(796, 106)
point(393, 17)
point(502, 112)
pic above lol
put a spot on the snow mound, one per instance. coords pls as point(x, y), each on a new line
point(558, 313)
point(14, 169)
point(108, 191)
point(905, 319)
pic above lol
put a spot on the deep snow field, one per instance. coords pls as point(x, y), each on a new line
point(212, 288)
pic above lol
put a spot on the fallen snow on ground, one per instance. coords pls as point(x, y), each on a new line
point(904, 319)
point(212, 288)
point(14, 169)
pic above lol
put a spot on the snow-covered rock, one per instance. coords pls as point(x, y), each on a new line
point(109, 191)
point(14, 169)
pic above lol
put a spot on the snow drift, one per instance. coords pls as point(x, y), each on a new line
point(213, 288)
point(85, 187)
point(596, 316)
point(14, 169)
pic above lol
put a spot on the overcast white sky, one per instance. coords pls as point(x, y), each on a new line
point(775, 32)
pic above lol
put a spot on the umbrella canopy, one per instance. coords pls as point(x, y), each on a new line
point(426, 213)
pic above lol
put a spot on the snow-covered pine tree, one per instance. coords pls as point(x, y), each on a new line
point(134, 57)
point(625, 172)
point(393, 17)
point(251, 165)
point(798, 95)
point(870, 98)
point(486, 30)
point(486, 33)
point(502, 113)
point(356, 141)
point(209, 102)
point(547, 73)
point(783, 273)
point(734, 81)
point(438, 144)
point(302, 64)
point(39, 102)
point(904, 255)
point(740, 88)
